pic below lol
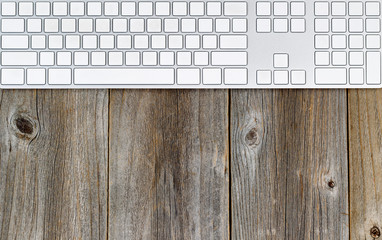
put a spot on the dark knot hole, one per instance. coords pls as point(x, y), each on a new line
point(375, 232)
point(24, 125)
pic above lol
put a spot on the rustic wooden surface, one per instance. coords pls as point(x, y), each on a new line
point(190, 164)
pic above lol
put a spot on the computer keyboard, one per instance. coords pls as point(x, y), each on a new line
point(190, 44)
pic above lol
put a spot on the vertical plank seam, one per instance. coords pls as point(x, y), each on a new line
point(348, 156)
point(229, 166)
point(108, 163)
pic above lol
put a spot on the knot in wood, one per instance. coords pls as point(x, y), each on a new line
point(331, 184)
point(375, 232)
point(23, 126)
point(252, 137)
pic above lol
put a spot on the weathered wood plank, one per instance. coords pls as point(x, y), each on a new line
point(365, 138)
point(53, 164)
point(169, 170)
point(289, 164)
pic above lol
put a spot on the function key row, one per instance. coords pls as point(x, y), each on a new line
point(127, 8)
point(267, 8)
point(341, 8)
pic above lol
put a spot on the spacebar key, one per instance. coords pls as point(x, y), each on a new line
point(124, 76)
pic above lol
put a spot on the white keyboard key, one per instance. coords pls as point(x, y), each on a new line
point(339, 41)
point(322, 58)
point(12, 76)
point(298, 77)
point(373, 41)
point(179, 8)
point(154, 25)
point(60, 8)
point(280, 25)
point(55, 42)
point(297, 8)
point(235, 8)
point(210, 41)
point(42, 8)
point(201, 58)
point(77, 8)
point(373, 25)
point(14, 25)
point(145, 8)
point(81, 58)
point(356, 25)
point(19, 58)
point(98, 58)
point(51, 25)
point(34, 25)
point(171, 25)
point(115, 58)
point(120, 25)
point(205, 25)
point(263, 8)
point(214, 8)
point(229, 58)
point(188, 76)
point(297, 25)
point(26, 8)
point(338, 8)
point(94, 8)
point(280, 60)
point(36, 76)
point(356, 41)
point(280, 8)
point(237, 76)
point(263, 25)
point(192, 42)
point(111, 9)
point(106, 42)
point(321, 25)
point(264, 77)
point(356, 58)
point(175, 42)
point(112, 76)
point(137, 25)
point(183, 58)
point(162, 8)
point(373, 8)
point(158, 41)
point(68, 25)
point(339, 25)
point(322, 41)
point(46, 58)
point(102, 25)
point(373, 67)
point(212, 76)
point(281, 77)
point(149, 58)
point(89, 42)
point(196, 8)
point(339, 59)
point(328, 76)
point(356, 76)
point(355, 8)
point(321, 8)
point(239, 25)
point(141, 41)
point(14, 42)
point(73, 41)
point(188, 25)
point(128, 8)
point(124, 42)
point(59, 76)
point(233, 41)
point(85, 25)
point(38, 41)
point(132, 58)
point(166, 58)
point(222, 25)
point(8, 8)
point(64, 58)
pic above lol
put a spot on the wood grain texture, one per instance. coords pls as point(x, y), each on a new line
point(365, 137)
point(288, 148)
point(169, 173)
point(53, 164)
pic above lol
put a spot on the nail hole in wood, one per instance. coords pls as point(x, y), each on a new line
point(331, 184)
point(252, 137)
point(375, 232)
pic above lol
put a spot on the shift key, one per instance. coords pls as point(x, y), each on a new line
point(18, 58)
point(229, 58)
